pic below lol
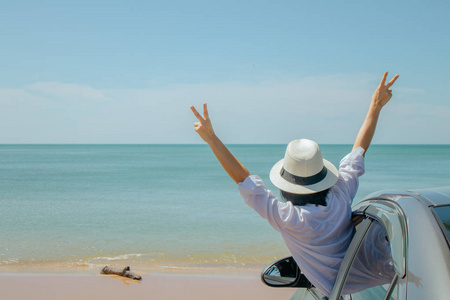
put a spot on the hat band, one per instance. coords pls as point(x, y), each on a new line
point(303, 180)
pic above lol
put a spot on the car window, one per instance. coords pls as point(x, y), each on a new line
point(442, 213)
point(375, 293)
point(372, 269)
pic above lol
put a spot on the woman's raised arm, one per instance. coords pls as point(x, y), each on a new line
point(380, 97)
point(232, 166)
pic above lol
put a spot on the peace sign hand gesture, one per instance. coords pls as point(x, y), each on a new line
point(203, 127)
point(383, 93)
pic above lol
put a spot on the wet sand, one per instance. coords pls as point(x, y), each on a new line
point(170, 285)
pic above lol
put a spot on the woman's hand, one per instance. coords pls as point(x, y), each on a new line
point(203, 127)
point(383, 93)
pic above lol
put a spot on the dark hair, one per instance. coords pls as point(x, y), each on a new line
point(300, 200)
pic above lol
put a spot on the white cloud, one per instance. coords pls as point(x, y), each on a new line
point(65, 91)
point(329, 109)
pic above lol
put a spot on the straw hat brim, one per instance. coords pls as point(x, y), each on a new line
point(329, 180)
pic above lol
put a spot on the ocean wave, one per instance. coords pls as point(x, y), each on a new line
point(9, 261)
point(119, 257)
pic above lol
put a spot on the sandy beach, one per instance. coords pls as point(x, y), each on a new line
point(241, 284)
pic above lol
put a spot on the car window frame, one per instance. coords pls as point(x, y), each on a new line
point(392, 218)
point(440, 222)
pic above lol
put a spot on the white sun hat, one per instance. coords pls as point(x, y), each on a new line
point(303, 169)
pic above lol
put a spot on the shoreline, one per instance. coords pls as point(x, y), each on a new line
point(206, 283)
point(144, 267)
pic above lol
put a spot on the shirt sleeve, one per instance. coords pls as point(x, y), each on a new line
point(350, 169)
point(264, 202)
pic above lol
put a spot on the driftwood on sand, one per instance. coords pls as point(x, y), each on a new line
point(125, 272)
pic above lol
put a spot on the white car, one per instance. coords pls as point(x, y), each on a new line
point(417, 226)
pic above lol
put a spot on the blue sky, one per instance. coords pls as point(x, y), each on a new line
point(271, 71)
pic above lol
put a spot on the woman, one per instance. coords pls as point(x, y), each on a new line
point(315, 222)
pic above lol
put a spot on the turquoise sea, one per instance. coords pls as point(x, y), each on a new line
point(166, 206)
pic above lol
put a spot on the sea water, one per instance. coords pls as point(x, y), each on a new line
point(162, 205)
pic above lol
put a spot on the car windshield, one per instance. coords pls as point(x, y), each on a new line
point(442, 213)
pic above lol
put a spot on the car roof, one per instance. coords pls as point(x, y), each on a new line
point(435, 196)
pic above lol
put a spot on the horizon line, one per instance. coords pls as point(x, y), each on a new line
point(204, 144)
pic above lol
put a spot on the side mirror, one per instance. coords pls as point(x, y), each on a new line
point(284, 273)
